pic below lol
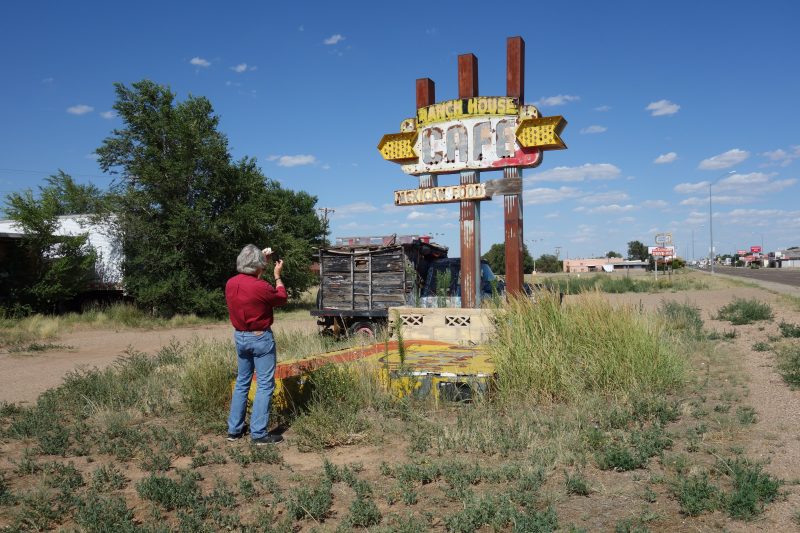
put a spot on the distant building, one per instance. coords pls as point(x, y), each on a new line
point(788, 258)
point(603, 264)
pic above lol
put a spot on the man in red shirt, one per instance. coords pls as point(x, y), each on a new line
point(250, 302)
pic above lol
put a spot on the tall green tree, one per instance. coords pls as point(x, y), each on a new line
point(45, 270)
point(496, 257)
point(612, 253)
point(548, 263)
point(638, 250)
point(185, 208)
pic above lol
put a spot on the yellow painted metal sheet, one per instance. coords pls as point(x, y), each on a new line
point(542, 133)
point(424, 367)
point(398, 146)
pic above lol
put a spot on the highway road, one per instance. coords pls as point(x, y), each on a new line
point(786, 276)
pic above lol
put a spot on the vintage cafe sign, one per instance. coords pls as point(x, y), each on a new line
point(480, 133)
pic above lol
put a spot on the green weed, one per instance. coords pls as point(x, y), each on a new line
point(101, 514)
point(169, 493)
point(746, 415)
point(742, 311)
point(696, 494)
point(107, 478)
point(761, 346)
point(789, 364)
point(363, 513)
point(6, 496)
point(576, 484)
point(682, 318)
point(752, 488)
point(311, 502)
point(789, 330)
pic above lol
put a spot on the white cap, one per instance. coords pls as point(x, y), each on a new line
point(267, 251)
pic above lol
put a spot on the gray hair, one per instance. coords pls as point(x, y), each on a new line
point(251, 259)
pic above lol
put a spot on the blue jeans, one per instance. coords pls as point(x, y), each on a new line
point(255, 352)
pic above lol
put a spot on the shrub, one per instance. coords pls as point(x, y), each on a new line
point(311, 502)
point(761, 346)
point(363, 513)
point(789, 330)
point(99, 514)
point(741, 311)
point(554, 352)
point(789, 364)
point(576, 484)
point(696, 494)
point(752, 488)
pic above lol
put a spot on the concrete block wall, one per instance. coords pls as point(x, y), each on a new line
point(448, 324)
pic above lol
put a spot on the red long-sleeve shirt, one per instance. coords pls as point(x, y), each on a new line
point(250, 302)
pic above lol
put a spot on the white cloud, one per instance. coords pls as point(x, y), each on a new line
point(593, 129)
point(333, 39)
point(690, 188)
point(439, 213)
point(655, 204)
point(557, 100)
point(662, 108)
point(357, 208)
point(48, 80)
point(604, 197)
point(611, 209)
point(241, 67)
point(665, 158)
point(626, 220)
point(108, 115)
point(724, 160)
point(734, 189)
point(199, 62)
point(603, 108)
point(293, 160)
point(94, 157)
point(782, 157)
point(589, 171)
point(301, 28)
point(551, 215)
point(545, 195)
point(80, 109)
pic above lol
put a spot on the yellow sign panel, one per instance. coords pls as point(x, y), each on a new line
point(467, 107)
point(542, 133)
point(398, 146)
point(441, 195)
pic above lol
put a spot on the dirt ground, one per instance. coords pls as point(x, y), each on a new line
point(23, 377)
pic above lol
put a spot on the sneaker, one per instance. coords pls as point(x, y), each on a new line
point(235, 436)
point(268, 439)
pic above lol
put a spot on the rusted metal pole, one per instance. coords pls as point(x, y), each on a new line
point(512, 204)
point(426, 95)
point(470, 212)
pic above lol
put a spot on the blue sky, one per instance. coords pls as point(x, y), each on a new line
point(661, 99)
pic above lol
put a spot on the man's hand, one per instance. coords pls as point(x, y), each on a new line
point(278, 268)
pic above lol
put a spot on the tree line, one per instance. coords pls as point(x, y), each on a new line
point(180, 206)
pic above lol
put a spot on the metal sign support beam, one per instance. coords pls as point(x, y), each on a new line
point(426, 95)
point(470, 212)
point(512, 204)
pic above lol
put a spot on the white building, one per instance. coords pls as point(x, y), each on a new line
point(100, 237)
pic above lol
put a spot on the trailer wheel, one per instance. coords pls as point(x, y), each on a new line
point(363, 328)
